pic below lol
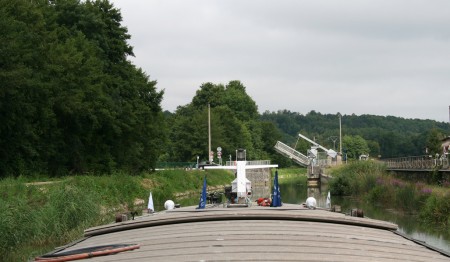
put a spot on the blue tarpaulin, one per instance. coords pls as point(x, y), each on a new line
point(276, 196)
point(202, 202)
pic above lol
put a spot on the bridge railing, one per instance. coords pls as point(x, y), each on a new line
point(249, 163)
point(290, 152)
point(418, 162)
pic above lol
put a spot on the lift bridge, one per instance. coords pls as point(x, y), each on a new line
point(313, 158)
point(293, 154)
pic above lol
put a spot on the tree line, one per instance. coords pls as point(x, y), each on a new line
point(378, 136)
point(71, 103)
point(235, 123)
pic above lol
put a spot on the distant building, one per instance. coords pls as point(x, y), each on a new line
point(446, 145)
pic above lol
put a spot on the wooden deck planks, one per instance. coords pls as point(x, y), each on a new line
point(270, 237)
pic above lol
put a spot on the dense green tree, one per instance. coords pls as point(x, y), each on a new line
point(70, 101)
point(242, 105)
point(355, 146)
point(234, 124)
point(434, 141)
point(208, 93)
point(374, 148)
point(22, 30)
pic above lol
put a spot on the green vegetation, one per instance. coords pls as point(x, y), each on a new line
point(72, 106)
point(235, 123)
point(370, 181)
point(286, 174)
point(355, 178)
point(35, 218)
point(70, 101)
point(385, 136)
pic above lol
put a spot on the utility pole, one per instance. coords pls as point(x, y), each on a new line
point(340, 134)
point(333, 139)
point(210, 158)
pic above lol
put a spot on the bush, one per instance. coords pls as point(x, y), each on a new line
point(341, 186)
point(436, 210)
point(355, 178)
point(380, 195)
point(406, 197)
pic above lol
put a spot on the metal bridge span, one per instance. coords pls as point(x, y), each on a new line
point(418, 163)
point(425, 163)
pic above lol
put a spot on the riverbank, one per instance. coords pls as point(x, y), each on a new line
point(286, 174)
point(36, 217)
point(369, 181)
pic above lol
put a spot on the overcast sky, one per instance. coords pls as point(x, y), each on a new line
point(381, 57)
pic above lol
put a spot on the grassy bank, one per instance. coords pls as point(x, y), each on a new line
point(286, 174)
point(370, 181)
point(36, 217)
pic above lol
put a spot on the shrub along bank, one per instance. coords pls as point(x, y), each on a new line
point(371, 182)
point(35, 217)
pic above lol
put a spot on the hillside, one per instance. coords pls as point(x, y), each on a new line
point(387, 136)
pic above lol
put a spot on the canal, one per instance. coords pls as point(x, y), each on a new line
point(296, 192)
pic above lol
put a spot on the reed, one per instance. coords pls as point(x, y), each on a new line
point(355, 178)
point(35, 218)
point(372, 183)
point(436, 211)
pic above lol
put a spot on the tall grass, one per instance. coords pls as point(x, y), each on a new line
point(369, 180)
point(437, 211)
point(36, 218)
point(355, 178)
point(292, 172)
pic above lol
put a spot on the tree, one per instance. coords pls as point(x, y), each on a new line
point(355, 146)
point(234, 123)
point(208, 94)
point(25, 110)
point(241, 104)
point(70, 100)
point(434, 141)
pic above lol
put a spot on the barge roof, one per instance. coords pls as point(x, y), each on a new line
point(287, 233)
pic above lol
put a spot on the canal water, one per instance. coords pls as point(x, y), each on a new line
point(296, 192)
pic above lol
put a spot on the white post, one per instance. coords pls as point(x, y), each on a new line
point(241, 179)
point(210, 157)
point(340, 134)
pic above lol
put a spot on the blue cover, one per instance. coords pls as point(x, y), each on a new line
point(276, 195)
point(202, 202)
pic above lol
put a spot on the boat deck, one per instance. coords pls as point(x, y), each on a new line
point(287, 233)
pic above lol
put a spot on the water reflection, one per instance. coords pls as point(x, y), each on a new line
point(296, 192)
point(407, 223)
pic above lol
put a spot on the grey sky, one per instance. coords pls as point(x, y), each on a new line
point(383, 57)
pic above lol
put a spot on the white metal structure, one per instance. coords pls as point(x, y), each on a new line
point(329, 152)
point(301, 159)
point(241, 165)
point(293, 154)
